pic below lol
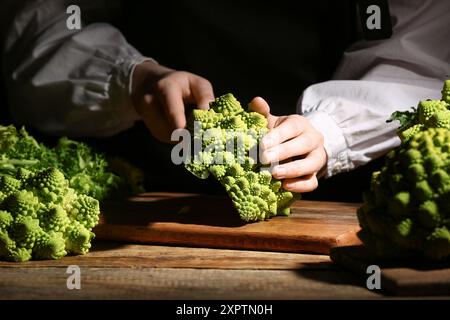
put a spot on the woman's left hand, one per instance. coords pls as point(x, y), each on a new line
point(292, 137)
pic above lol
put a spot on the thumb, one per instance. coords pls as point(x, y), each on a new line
point(260, 105)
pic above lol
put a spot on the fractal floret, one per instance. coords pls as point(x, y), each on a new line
point(228, 136)
point(41, 217)
point(428, 114)
point(407, 210)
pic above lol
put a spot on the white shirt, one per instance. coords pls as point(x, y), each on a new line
point(376, 78)
point(90, 96)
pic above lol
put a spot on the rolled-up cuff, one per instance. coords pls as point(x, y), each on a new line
point(134, 63)
point(121, 86)
point(334, 143)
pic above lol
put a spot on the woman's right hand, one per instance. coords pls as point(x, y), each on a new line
point(159, 95)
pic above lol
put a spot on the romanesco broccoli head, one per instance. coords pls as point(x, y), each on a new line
point(41, 217)
point(428, 114)
point(228, 134)
point(407, 210)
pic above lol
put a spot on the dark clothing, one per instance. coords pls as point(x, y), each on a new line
point(250, 48)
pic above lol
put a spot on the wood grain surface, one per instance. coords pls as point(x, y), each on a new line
point(401, 278)
point(117, 271)
point(107, 254)
point(211, 221)
point(186, 284)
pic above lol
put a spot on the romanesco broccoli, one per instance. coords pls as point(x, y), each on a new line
point(87, 171)
point(428, 114)
point(407, 210)
point(41, 217)
point(227, 135)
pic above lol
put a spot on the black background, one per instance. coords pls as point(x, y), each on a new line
point(273, 49)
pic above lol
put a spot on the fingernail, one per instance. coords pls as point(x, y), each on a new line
point(279, 172)
point(288, 186)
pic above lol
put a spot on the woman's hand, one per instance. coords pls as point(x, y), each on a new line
point(159, 95)
point(292, 137)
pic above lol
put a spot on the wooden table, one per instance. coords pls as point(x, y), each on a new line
point(273, 264)
point(130, 271)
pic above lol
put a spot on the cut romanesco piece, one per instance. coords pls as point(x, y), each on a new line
point(228, 134)
point(41, 217)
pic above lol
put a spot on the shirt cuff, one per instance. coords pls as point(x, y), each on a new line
point(334, 143)
point(122, 85)
point(134, 64)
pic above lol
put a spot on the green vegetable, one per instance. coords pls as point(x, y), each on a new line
point(428, 114)
point(446, 91)
point(133, 178)
point(407, 210)
point(41, 217)
point(86, 170)
point(255, 194)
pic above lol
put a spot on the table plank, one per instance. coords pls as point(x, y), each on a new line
point(168, 283)
point(402, 277)
point(115, 255)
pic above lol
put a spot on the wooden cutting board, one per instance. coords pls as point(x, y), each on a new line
point(402, 278)
point(211, 221)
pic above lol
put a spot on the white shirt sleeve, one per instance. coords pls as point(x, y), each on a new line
point(71, 82)
point(376, 78)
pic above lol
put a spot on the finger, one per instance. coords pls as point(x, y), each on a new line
point(259, 105)
point(304, 184)
point(299, 168)
point(172, 100)
point(154, 118)
point(303, 144)
point(289, 128)
point(143, 108)
point(203, 92)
